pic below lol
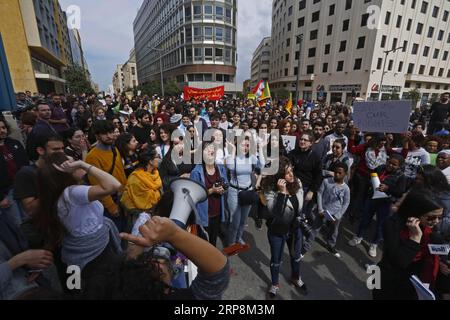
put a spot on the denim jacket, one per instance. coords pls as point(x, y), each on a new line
point(198, 175)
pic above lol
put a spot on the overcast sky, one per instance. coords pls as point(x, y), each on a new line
point(107, 33)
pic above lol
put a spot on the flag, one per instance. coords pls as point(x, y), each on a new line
point(289, 104)
point(259, 89)
point(266, 92)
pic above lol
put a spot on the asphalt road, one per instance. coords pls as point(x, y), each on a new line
point(327, 277)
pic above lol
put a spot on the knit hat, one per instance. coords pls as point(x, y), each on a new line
point(447, 152)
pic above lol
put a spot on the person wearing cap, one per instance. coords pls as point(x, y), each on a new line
point(443, 163)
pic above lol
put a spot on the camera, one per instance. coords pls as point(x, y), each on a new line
point(304, 225)
point(222, 183)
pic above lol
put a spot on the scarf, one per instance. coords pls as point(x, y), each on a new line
point(143, 190)
point(430, 263)
point(375, 158)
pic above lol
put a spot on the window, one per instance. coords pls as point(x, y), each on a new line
point(208, 12)
point(441, 72)
point(399, 21)
point(426, 50)
point(301, 22)
point(388, 18)
point(198, 54)
point(208, 33)
point(313, 35)
point(219, 54)
point(421, 69)
point(327, 49)
point(219, 34)
point(358, 63)
point(394, 43)
point(361, 42)
point(424, 7)
point(415, 48)
point(445, 56)
point(289, 26)
point(379, 63)
point(329, 29)
point(287, 57)
point(290, 11)
point(312, 52)
point(390, 65)
point(348, 4)
point(405, 46)
point(219, 13)
point(383, 41)
point(400, 66)
point(310, 69)
point(208, 54)
point(346, 25)
point(343, 46)
point(286, 72)
point(440, 35)
point(364, 19)
point(430, 32)
point(410, 68)
point(436, 54)
point(435, 12)
point(419, 28)
point(302, 5)
point(340, 66)
point(315, 16)
point(288, 42)
point(325, 68)
point(408, 26)
point(432, 69)
point(445, 16)
point(332, 9)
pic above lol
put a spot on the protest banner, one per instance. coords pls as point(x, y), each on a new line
point(289, 142)
point(382, 116)
point(213, 94)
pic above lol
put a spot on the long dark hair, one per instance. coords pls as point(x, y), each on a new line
point(270, 183)
point(419, 202)
point(434, 179)
point(122, 144)
point(52, 184)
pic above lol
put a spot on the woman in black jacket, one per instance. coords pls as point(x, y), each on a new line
point(407, 235)
point(12, 158)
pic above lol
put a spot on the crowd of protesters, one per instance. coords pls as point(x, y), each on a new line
point(89, 167)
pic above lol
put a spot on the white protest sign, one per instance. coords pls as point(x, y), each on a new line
point(139, 93)
point(289, 143)
point(439, 249)
point(382, 116)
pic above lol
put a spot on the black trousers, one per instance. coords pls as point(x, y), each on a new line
point(213, 230)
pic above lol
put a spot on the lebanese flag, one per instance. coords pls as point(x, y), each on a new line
point(259, 89)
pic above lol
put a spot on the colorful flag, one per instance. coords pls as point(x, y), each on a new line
point(266, 92)
point(289, 104)
point(259, 89)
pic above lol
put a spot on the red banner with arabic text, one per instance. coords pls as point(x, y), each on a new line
point(213, 94)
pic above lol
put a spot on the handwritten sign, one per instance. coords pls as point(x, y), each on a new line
point(289, 143)
point(213, 94)
point(382, 116)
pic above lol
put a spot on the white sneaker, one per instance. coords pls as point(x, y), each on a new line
point(373, 250)
point(355, 241)
point(273, 291)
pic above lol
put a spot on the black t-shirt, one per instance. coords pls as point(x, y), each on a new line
point(25, 184)
point(142, 135)
point(439, 112)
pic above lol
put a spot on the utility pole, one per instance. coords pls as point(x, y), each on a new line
point(160, 68)
point(386, 54)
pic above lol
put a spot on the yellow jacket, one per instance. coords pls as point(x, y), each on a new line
point(143, 190)
point(103, 160)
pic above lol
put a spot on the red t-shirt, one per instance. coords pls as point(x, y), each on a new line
point(11, 166)
point(214, 200)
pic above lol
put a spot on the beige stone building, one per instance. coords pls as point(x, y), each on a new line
point(261, 62)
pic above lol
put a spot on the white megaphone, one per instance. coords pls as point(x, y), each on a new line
point(187, 194)
point(376, 184)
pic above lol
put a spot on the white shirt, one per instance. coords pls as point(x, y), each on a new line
point(446, 172)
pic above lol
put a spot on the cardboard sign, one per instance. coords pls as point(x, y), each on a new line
point(289, 143)
point(213, 94)
point(382, 116)
point(423, 290)
point(439, 249)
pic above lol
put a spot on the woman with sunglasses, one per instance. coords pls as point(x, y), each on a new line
point(407, 235)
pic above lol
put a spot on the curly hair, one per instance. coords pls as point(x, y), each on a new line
point(270, 183)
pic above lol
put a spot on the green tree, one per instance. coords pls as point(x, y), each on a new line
point(414, 96)
point(77, 80)
point(171, 89)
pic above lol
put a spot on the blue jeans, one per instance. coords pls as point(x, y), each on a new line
point(14, 212)
point(382, 208)
point(238, 217)
point(294, 243)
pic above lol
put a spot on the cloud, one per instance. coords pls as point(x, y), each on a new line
point(107, 33)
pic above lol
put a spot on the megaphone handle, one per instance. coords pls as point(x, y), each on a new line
point(197, 216)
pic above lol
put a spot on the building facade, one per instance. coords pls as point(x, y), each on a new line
point(260, 68)
point(130, 72)
point(118, 80)
point(344, 43)
point(196, 41)
point(37, 44)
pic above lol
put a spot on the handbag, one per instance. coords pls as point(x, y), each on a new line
point(282, 220)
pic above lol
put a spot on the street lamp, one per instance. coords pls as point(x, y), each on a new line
point(384, 68)
point(160, 67)
point(297, 84)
